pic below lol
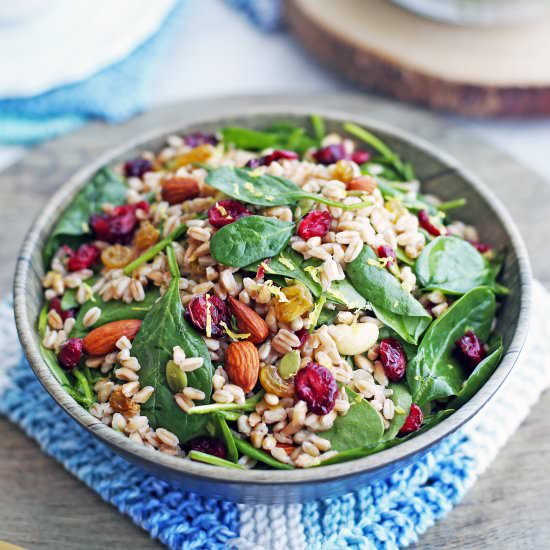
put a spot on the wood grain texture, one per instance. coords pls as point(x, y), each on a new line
point(471, 71)
point(41, 506)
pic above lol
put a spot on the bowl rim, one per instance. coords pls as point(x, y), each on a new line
point(207, 473)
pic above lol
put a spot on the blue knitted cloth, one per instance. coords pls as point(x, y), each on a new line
point(385, 515)
point(113, 94)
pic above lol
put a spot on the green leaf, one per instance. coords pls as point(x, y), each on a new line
point(479, 375)
point(163, 328)
point(362, 425)
point(248, 449)
point(402, 400)
point(105, 187)
point(392, 304)
point(264, 189)
point(452, 265)
point(250, 240)
point(343, 293)
point(252, 140)
point(113, 310)
point(319, 128)
point(434, 373)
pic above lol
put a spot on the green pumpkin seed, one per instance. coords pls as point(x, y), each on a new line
point(289, 364)
point(176, 378)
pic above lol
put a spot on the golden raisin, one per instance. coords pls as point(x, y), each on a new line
point(122, 404)
point(117, 256)
point(298, 302)
point(271, 382)
point(343, 171)
point(146, 236)
point(198, 154)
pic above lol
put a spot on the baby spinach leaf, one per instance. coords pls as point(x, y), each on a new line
point(265, 189)
point(402, 400)
point(246, 138)
point(452, 265)
point(434, 373)
point(362, 425)
point(479, 375)
point(105, 186)
point(391, 303)
point(248, 449)
point(343, 293)
point(250, 240)
point(163, 328)
point(326, 317)
point(113, 310)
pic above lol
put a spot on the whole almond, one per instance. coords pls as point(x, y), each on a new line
point(242, 364)
point(176, 190)
point(249, 321)
point(363, 183)
point(102, 340)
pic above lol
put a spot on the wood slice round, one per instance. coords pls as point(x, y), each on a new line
point(497, 71)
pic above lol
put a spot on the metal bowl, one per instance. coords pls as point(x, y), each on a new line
point(439, 173)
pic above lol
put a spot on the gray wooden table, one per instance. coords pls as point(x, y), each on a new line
point(42, 506)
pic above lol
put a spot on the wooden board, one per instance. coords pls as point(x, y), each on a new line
point(42, 506)
point(474, 71)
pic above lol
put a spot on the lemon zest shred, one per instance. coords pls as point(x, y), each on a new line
point(235, 335)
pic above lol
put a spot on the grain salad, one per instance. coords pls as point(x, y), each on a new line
point(275, 298)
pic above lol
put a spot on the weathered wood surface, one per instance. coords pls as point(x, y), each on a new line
point(41, 506)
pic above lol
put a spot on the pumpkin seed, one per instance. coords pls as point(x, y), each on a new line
point(290, 363)
point(175, 377)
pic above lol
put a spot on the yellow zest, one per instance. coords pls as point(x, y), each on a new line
point(234, 335)
point(208, 317)
point(399, 410)
point(275, 291)
point(269, 197)
point(314, 272)
point(236, 189)
point(221, 209)
point(249, 187)
point(286, 262)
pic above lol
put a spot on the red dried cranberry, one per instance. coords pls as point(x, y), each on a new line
point(200, 138)
point(385, 251)
point(360, 157)
point(317, 386)
point(208, 445)
point(55, 303)
point(266, 160)
point(119, 226)
point(260, 274)
point(303, 336)
point(197, 313)
point(135, 168)
point(426, 223)
point(314, 224)
point(414, 420)
point(481, 247)
point(393, 358)
point(330, 154)
point(470, 349)
point(71, 353)
point(85, 256)
point(226, 212)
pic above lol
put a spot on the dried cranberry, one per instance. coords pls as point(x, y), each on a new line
point(330, 154)
point(85, 256)
point(260, 273)
point(303, 336)
point(360, 157)
point(314, 224)
point(393, 358)
point(55, 303)
point(208, 445)
point(470, 349)
point(317, 386)
point(200, 138)
point(426, 223)
point(71, 353)
point(414, 420)
point(198, 311)
point(385, 251)
point(119, 226)
point(226, 212)
point(481, 247)
point(266, 160)
point(135, 168)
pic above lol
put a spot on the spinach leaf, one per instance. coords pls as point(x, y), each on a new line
point(326, 317)
point(434, 373)
point(248, 449)
point(113, 310)
point(362, 425)
point(163, 328)
point(105, 186)
point(249, 240)
point(391, 303)
point(452, 265)
point(265, 189)
point(246, 138)
point(343, 293)
point(69, 301)
point(319, 128)
point(479, 375)
point(402, 400)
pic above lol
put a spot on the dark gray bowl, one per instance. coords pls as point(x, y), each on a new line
point(438, 172)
